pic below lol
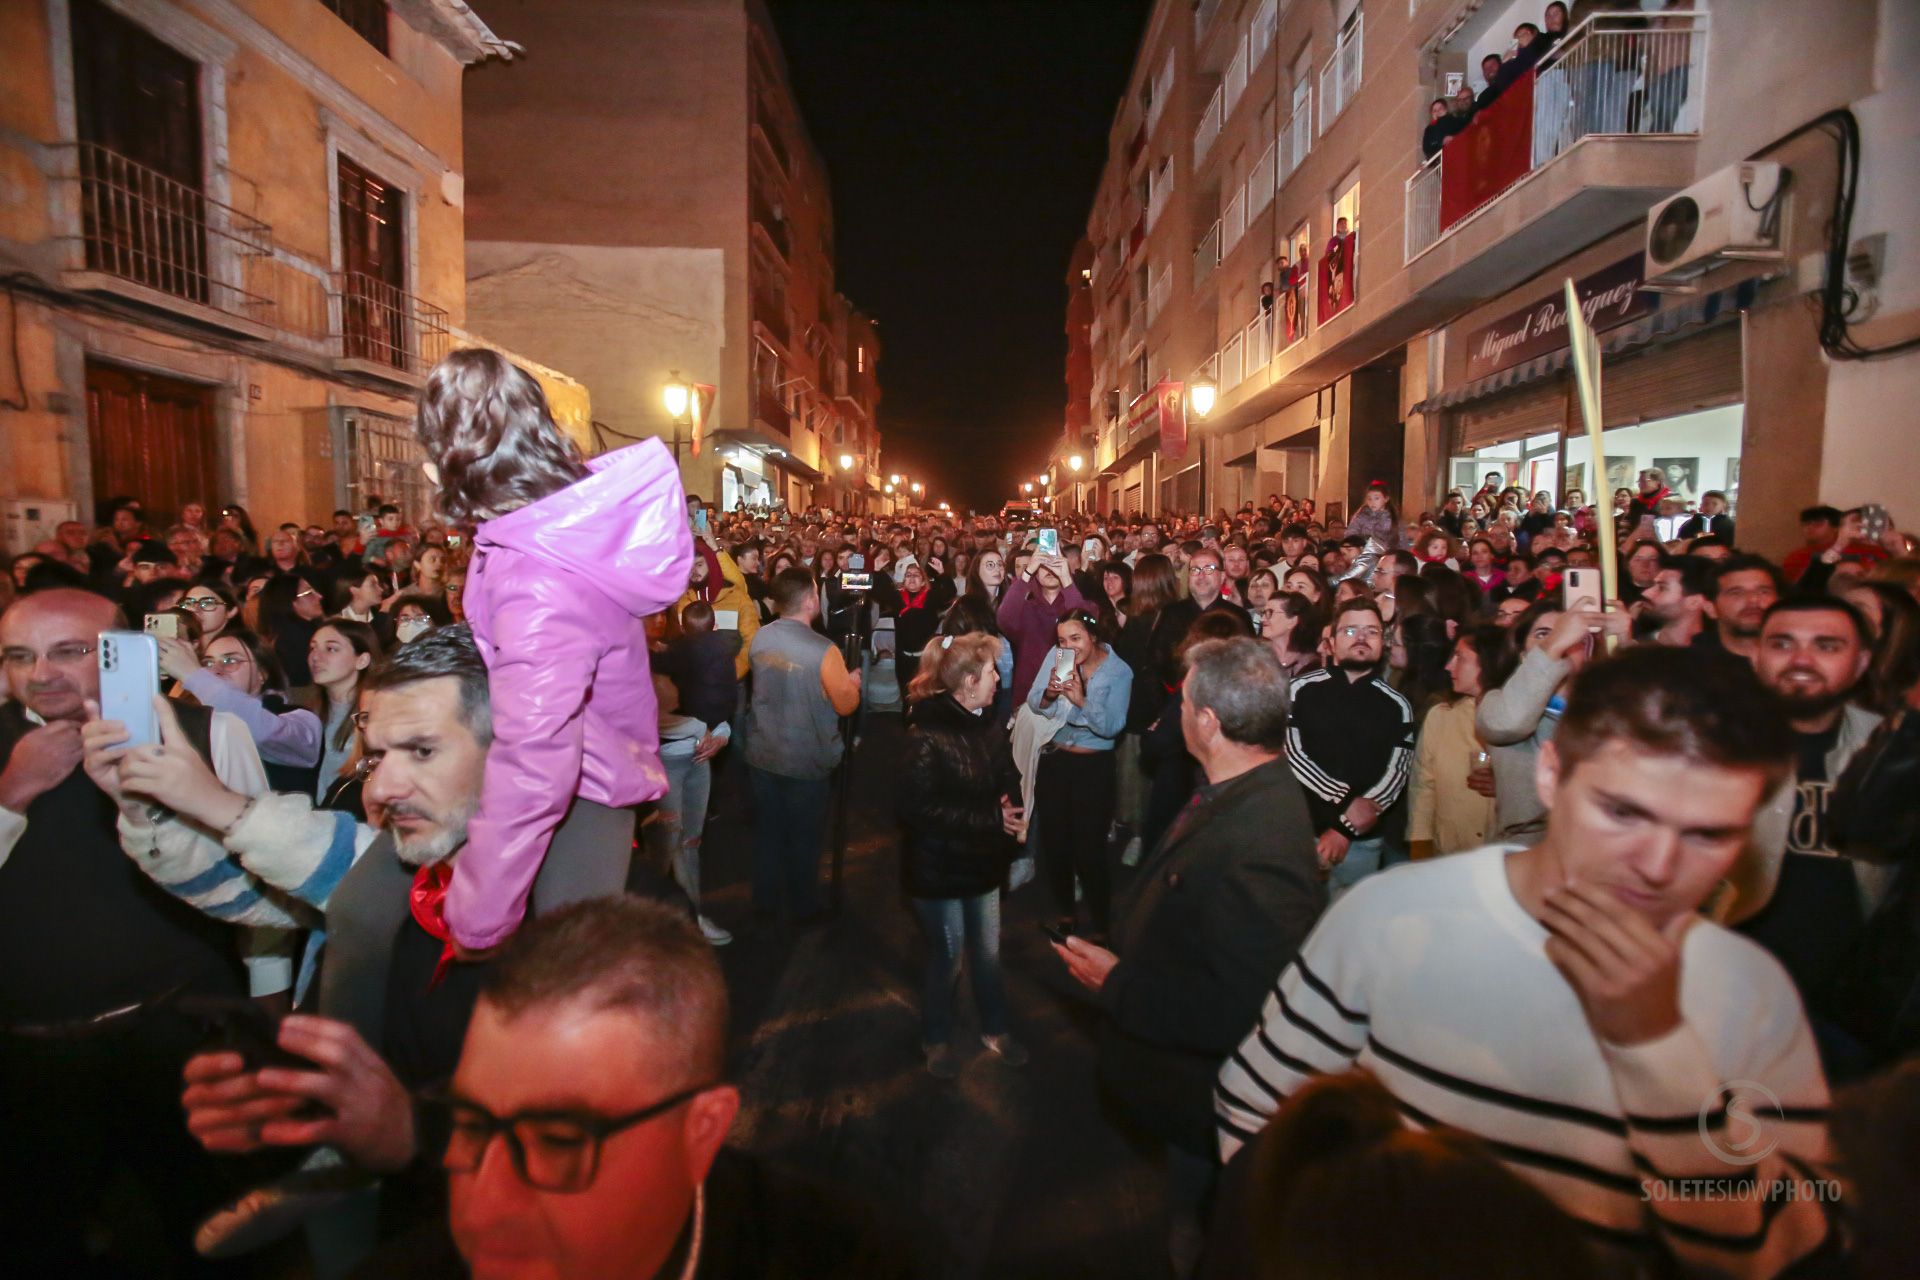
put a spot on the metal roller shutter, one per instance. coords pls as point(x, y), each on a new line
point(1530, 411)
point(1696, 373)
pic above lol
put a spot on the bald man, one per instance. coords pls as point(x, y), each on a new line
point(89, 947)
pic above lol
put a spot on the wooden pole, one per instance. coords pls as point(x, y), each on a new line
point(1586, 373)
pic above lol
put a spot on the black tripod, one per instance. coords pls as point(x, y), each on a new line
point(852, 644)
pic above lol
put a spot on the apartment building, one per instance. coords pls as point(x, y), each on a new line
point(1266, 232)
point(646, 208)
point(233, 244)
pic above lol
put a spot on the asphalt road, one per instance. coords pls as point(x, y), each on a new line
point(1001, 1173)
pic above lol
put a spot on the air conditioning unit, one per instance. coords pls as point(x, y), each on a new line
point(1731, 215)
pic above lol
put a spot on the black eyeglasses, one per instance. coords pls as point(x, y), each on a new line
point(552, 1150)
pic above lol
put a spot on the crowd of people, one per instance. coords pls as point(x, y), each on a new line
point(1436, 918)
point(1634, 79)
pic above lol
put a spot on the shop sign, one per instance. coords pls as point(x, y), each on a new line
point(1608, 297)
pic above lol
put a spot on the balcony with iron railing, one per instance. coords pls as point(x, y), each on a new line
point(770, 224)
point(1161, 291)
point(386, 331)
point(1203, 15)
point(1613, 125)
point(156, 241)
point(1208, 129)
point(142, 237)
point(769, 135)
point(1260, 180)
point(1206, 254)
point(1233, 221)
point(1157, 199)
point(1340, 77)
point(1296, 137)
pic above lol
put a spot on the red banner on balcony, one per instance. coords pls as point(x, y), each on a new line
point(1489, 155)
point(1337, 263)
point(1171, 397)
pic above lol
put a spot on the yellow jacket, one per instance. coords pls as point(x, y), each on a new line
point(1442, 807)
point(733, 595)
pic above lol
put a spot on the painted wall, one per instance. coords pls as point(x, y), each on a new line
point(284, 85)
point(1872, 452)
point(620, 318)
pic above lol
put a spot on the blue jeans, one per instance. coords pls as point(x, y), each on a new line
point(683, 818)
point(1362, 860)
point(946, 921)
point(789, 827)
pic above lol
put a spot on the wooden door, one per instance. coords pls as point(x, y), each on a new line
point(152, 438)
point(376, 312)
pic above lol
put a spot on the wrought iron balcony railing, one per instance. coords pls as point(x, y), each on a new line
point(385, 325)
point(140, 226)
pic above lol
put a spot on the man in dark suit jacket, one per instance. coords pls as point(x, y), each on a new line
point(1217, 910)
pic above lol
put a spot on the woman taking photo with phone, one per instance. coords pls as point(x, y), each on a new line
point(214, 608)
point(341, 652)
point(1086, 687)
point(958, 810)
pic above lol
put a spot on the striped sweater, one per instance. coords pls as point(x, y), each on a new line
point(1434, 978)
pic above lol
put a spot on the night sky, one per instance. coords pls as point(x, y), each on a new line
point(964, 142)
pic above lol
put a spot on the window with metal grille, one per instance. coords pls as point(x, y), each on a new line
point(383, 459)
point(368, 18)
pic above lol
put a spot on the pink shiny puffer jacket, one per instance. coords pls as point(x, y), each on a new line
point(556, 593)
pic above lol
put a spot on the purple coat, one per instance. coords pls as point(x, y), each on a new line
point(1029, 621)
point(556, 594)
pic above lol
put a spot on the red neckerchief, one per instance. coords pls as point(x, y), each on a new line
point(428, 899)
point(911, 601)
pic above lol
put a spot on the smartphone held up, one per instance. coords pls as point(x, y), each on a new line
point(129, 682)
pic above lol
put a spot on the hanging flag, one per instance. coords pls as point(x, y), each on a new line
point(701, 407)
point(1172, 403)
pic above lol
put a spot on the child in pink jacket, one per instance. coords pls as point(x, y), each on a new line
point(569, 557)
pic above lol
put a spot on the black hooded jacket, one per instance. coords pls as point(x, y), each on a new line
point(958, 766)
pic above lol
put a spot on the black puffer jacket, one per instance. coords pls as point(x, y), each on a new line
point(958, 766)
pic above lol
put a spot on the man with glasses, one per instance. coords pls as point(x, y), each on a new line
point(391, 970)
point(1351, 747)
point(91, 951)
point(583, 1131)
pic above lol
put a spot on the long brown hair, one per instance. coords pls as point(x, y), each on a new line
point(484, 422)
point(1155, 585)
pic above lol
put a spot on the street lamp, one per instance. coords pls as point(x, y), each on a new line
point(678, 395)
point(1200, 397)
point(894, 478)
point(917, 486)
point(846, 462)
point(1076, 462)
point(1027, 487)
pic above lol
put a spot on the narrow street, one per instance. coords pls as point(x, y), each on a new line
point(1008, 1173)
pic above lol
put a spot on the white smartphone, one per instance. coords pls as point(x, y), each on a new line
point(1582, 587)
point(1062, 664)
point(1048, 542)
point(726, 619)
point(129, 682)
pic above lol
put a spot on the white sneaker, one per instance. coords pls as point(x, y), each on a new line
point(715, 934)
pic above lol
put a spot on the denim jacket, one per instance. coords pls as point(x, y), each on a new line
point(1098, 723)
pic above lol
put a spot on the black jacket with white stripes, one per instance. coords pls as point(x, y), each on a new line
point(1349, 738)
